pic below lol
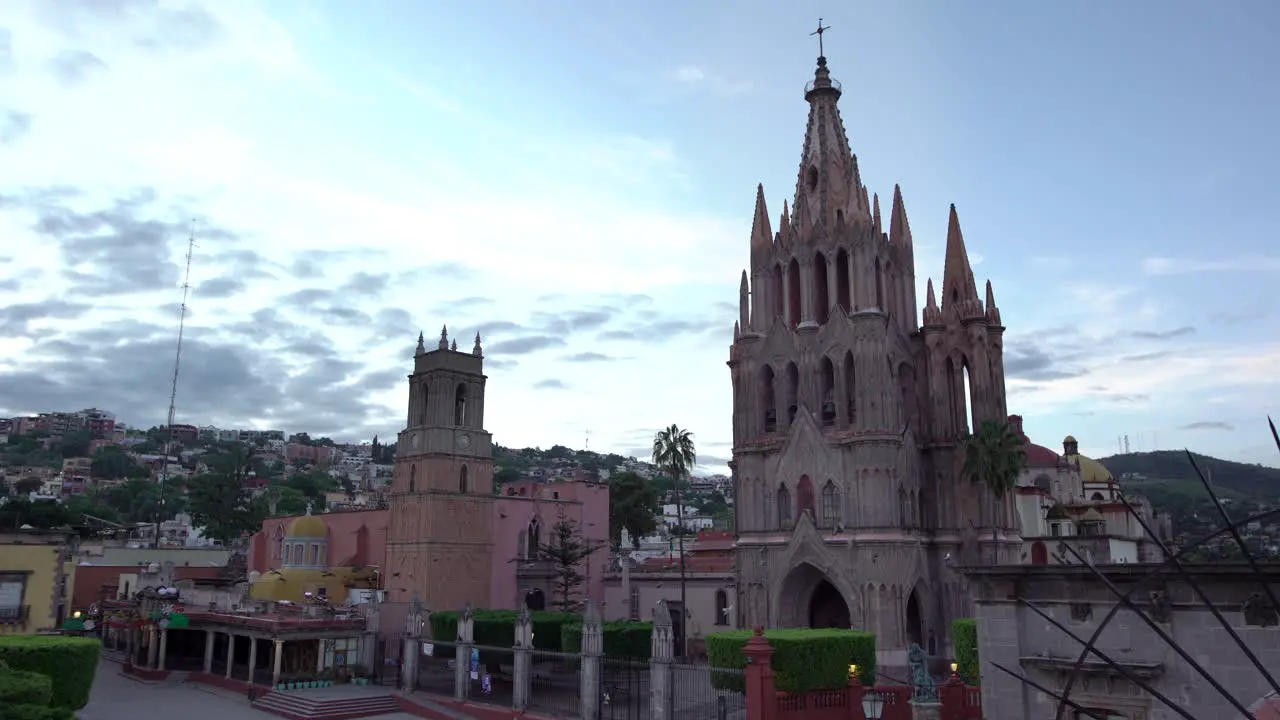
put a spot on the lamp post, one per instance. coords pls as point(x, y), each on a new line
point(872, 704)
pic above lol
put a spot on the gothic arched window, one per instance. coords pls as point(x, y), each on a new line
point(634, 601)
point(827, 389)
point(793, 392)
point(784, 507)
point(460, 405)
point(722, 608)
point(850, 389)
point(830, 504)
point(804, 497)
point(768, 395)
point(462, 479)
point(413, 477)
point(535, 538)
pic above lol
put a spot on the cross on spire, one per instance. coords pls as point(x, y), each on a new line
point(819, 32)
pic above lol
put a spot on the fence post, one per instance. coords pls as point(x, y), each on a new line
point(661, 651)
point(466, 642)
point(409, 647)
point(523, 652)
point(591, 651)
point(952, 694)
point(762, 699)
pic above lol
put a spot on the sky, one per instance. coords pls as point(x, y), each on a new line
point(576, 181)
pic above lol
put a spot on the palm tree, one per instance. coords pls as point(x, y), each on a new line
point(674, 454)
point(994, 456)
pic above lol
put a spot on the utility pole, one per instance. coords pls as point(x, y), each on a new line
point(173, 388)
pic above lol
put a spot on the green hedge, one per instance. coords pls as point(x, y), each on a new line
point(70, 662)
point(802, 659)
point(623, 639)
point(964, 638)
point(21, 687)
point(497, 628)
point(35, 712)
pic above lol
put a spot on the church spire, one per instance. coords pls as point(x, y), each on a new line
point(958, 287)
point(899, 228)
point(444, 337)
point(477, 350)
point(422, 349)
point(761, 231)
point(829, 187)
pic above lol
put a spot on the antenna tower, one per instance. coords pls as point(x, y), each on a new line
point(1126, 444)
point(588, 439)
point(173, 387)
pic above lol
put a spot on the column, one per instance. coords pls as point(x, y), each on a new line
point(592, 650)
point(209, 639)
point(231, 654)
point(164, 646)
point(462, 655)
point(523, 655)
point(762, 701)
point(408, 663)
point(253, 657)
point(153, 647)
point(277, 647)
point(319, 656)
point(663, 649)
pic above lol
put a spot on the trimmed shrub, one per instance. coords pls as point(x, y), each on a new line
point(70, 662)
point(497, 628)
point(802, 659)
point(623, 639)
point(18, 687)
point(964, 638)
point(35, 712)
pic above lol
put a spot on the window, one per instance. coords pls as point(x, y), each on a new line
point(413, 476)
point(722, 608)
point(13, 590)
point(784, 507)
point(460, 405)
point(322, 592)
point(297, 554)
point(535, 538)
point(830, 504)
point(634, 601)
point(804, 492)
point(462, 480)
point(315, 554)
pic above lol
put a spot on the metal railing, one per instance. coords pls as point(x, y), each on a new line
point(437, 669)
point(555, 683)
point(491, 672)
point(701, 692)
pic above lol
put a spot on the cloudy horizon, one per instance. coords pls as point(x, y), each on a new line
point(553, 181)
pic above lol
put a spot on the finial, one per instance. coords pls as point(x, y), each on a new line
point(454, 346)
point(476, 350)
point(422, 348)
point(822, 56)
point(444, 337)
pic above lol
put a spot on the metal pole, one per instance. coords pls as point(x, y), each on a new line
point(684, 607)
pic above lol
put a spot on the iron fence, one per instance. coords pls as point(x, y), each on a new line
point(491, 672)
point(555, 683)
point(624, 689)
point(701, 692)
point(437, 667)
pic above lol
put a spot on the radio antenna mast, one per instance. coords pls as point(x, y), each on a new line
point(173, 387)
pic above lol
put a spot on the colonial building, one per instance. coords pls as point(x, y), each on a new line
point(847, 410)
point(1074, 499)
point(441, 528)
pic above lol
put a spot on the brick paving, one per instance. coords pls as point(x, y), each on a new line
point(116, 697)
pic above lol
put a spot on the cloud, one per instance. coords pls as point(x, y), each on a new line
point(75, 67)
point(1163, 266)
point(550, 384)
point(25, 319)
point(14, 125)
point(1208, 425)
point(221, 287)
point(1164, 335)
point(588, 357)
point(1034, 363)
point(524, 345)
point(693, 77)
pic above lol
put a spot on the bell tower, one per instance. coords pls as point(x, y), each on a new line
point(440, 538)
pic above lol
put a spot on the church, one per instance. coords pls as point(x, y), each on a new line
point(847, 409)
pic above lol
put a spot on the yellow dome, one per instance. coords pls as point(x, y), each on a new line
point(1069, 439)
point(1092, 471)
point(308, 526)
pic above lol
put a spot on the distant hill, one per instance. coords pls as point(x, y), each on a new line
point(1171, 468)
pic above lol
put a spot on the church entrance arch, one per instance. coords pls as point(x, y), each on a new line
point(915, 622)
point(808, 598)
point(535, 600)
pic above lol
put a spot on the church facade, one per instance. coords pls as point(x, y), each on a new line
point(847, 410)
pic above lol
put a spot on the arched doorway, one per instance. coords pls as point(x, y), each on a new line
point(808, 598)
point(827, 608)
point(535, 600)
point(1039, 555)
point(915, 623)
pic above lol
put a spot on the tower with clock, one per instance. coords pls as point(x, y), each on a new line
point(440, 537)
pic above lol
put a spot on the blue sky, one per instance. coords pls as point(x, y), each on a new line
point(576, 181)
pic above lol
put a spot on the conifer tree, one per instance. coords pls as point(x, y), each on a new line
point(566, 551)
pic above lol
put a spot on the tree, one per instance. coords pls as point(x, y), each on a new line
point(994, 456)
point(505, 475)
point(28, 485)
point(313, 483)
point(566, 549)
point(43, 514)
point(111, 462)
point(674, 454)
point(220, 501)
point(138, 500)
point(633, 505)
point(75, 444)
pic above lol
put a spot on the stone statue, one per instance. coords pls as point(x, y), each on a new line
point(923, 690)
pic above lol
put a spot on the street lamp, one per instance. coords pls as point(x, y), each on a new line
point(872, 704)
point(955, 667)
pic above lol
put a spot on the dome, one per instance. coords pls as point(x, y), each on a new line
point(308, 526)
point(1092, 471)
point(1069, 439)
point(1039, 456)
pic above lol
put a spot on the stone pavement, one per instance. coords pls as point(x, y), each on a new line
point(116, 697)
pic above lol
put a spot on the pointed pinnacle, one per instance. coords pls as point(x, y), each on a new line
point(899, 228)
point(875, 214)
point(930, 299)
point(744, 285)
point(444, 337)
point(422, 348)
point(761, 232)
point(477, 351)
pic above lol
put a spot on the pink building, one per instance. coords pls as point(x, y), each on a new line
point(524, 515)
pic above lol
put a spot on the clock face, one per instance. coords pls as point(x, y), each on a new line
point(464, 442)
